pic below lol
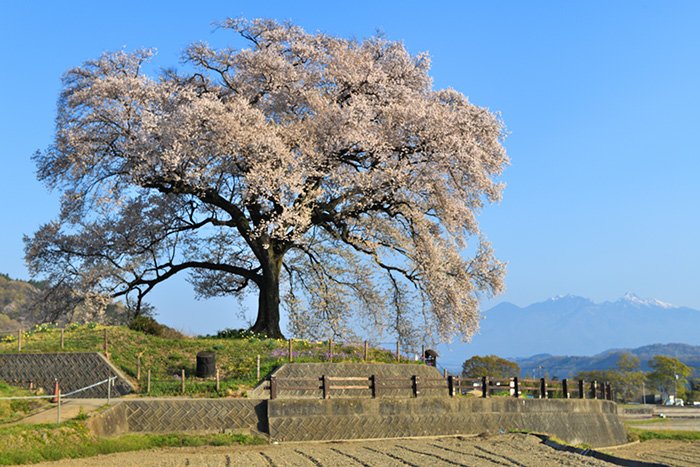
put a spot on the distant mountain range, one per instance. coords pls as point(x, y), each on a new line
point(568, 367)
point(572, 325)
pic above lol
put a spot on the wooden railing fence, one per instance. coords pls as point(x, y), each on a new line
point(374, 386)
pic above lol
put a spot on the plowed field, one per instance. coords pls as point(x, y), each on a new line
point(509, 450)
point(669, 452)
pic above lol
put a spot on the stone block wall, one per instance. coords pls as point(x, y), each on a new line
point(593, 422)
point(385, 373)
point(191, 415)
point(74, 370)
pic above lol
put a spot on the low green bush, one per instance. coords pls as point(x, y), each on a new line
point(148, 325)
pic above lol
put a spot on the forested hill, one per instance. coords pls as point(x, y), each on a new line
point(26, 303)
point(17, 300)
point(568, 366)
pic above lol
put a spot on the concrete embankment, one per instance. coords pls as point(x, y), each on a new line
point(593, 422)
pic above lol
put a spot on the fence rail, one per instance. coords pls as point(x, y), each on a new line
point(452, 385)
point(59, 398)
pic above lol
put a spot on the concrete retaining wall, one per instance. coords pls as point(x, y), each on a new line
point(592, 422)
point(192, 415)
point(72, 369)
point(288, 372)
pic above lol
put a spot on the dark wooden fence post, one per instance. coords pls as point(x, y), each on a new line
point(543, 388)
point(565, 388)
point(375, 388)
point(330, 349)
point(608, 392)
point(326, 387)
point(581, 390)
point(451, 385)
point(290, 357)
point(106, 342)
point(516, 387)
point(594, 389)
point(398, 351)
point(484, 387)
point(62, 337)
point(414, 385)
point(366, 351)
point(273, 387)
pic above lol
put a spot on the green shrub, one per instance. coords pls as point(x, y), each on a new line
point(148, 325)
point(229, 333)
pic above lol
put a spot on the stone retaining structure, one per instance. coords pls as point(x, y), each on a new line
point(593, 422)
point(287, 373)
point(73, 370)
point(173, 415)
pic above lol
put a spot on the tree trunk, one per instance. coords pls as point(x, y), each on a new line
point(268, 321)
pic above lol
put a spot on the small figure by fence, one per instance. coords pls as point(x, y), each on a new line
point(430, 356)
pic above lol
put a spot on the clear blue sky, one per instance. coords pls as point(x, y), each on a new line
point(601, 100)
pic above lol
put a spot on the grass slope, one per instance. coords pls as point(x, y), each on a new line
point(236, 358)
point(12, 410)
point(22, 444)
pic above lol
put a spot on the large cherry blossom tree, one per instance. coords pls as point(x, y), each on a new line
point(325, 174)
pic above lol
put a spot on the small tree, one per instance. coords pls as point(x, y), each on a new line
point(490, 365)
point(669, 375)
point(321, 172)
point(628, 379)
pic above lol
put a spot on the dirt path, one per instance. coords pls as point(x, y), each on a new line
point(509, 450)
point(677, 453)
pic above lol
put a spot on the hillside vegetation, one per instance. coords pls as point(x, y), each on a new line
point(16, 301)
point(24, 304)
point(167, 357)
point(11, 410)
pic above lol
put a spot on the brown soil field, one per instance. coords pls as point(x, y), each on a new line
point(508, 449)
point(677, 453)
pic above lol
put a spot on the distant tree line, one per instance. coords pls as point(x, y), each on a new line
point(669, 376)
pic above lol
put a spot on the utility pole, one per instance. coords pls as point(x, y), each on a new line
point(675, 389)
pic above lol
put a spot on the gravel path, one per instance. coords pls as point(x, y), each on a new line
point(508, 450)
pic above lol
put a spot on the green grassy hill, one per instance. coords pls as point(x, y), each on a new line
point(167, 357)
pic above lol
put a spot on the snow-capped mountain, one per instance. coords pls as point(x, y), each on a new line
point(632, 299)
point(572, 325)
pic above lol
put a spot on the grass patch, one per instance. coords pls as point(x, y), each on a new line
point(167, 357)
point(13, 410)
point(648, 421)
point(646, 435)
point(22, 444)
